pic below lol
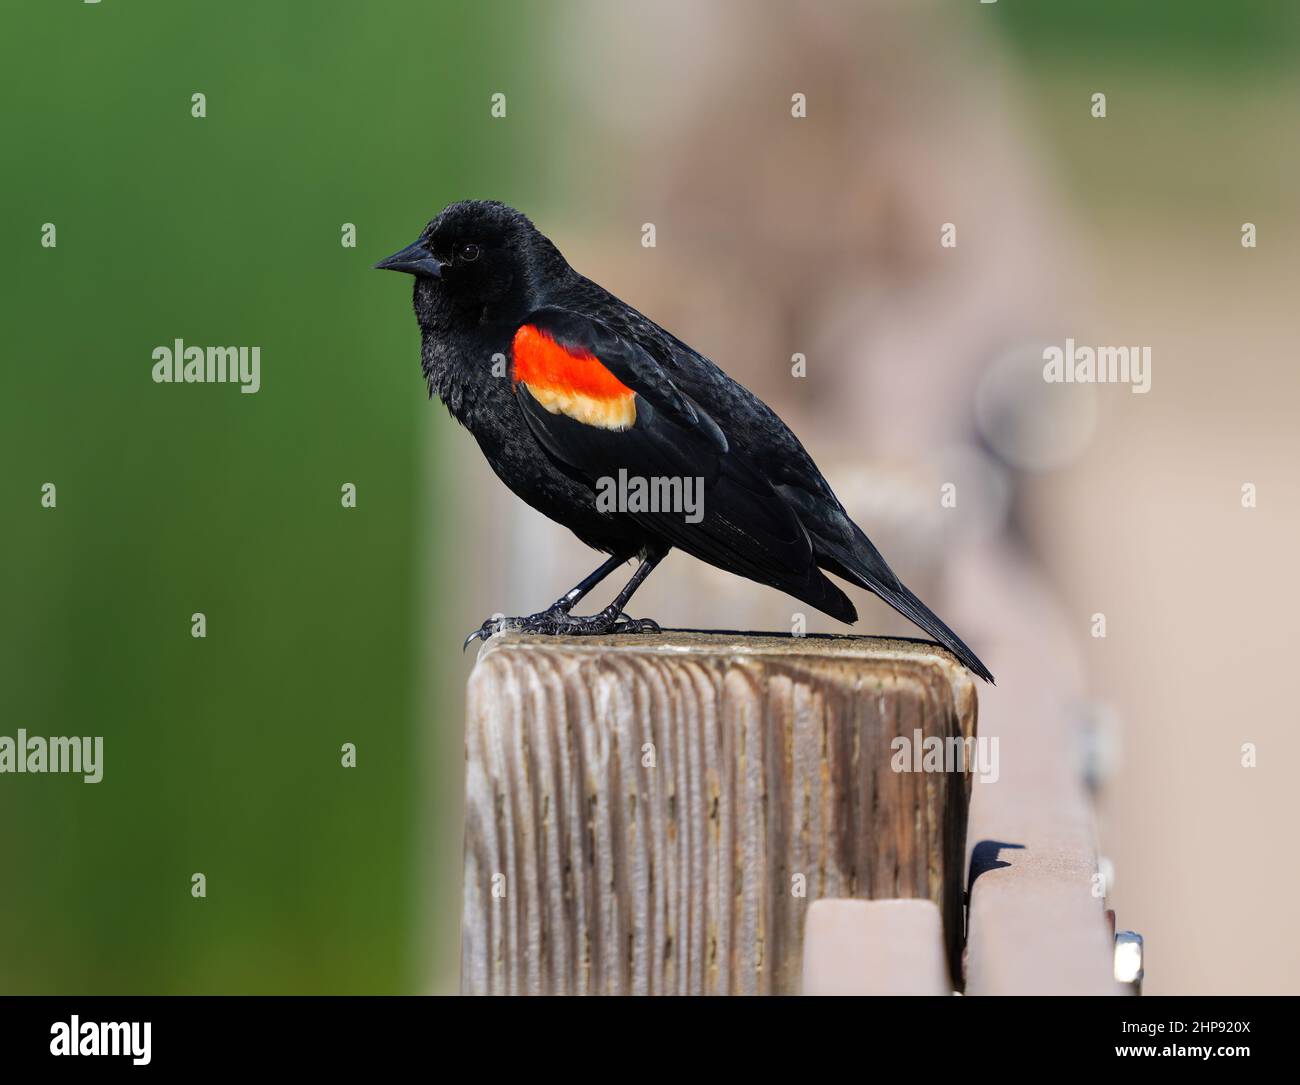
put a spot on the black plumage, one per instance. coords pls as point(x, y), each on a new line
point(482, 272)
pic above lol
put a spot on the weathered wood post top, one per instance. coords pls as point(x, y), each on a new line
point(654, 814)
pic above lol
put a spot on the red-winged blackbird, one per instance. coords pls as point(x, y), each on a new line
point(564, 386)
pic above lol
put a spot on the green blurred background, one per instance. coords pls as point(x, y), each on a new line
point(223, 754)
point(327, 625)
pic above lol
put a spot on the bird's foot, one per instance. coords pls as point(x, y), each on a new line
point(556, 623)
point(626, 624)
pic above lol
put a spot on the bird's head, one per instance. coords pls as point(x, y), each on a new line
point(477, 255)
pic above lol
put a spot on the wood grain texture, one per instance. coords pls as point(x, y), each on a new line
point(637, 808)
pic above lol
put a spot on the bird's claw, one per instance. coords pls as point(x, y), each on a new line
point(556, 623)
point(628, 624)
point(491, 627)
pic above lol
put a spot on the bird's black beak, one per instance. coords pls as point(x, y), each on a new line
point(414, 259)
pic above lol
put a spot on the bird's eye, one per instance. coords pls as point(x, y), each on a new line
point(469, 253)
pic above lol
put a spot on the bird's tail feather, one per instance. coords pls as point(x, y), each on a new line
point(866, 568)
point(908, 605)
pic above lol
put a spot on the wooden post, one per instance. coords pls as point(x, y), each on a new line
point(650, 815)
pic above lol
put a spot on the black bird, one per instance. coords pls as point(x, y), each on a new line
point(564, 386)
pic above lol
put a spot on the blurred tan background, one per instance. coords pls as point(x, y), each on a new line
point(821, 236)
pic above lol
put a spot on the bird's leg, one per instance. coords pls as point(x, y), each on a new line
point(613, 613)
point(554, 617)
point(574, 595)
point(557, 621)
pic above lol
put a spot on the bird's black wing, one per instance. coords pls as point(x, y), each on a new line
point(601, 404)
point(769, 448)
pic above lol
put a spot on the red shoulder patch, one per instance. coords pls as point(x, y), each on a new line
point(574, 383)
